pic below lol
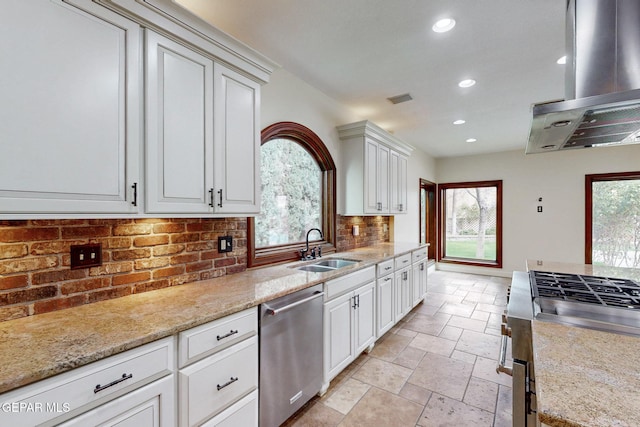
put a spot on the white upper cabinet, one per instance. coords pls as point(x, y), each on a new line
point(77, 106)
point(237, 142)
point(70, 110)
point(374, 172)
point(179, 126)
point(398, 183)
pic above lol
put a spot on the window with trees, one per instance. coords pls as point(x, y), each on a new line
point(471, 223)
point(613, 219)
point(298, 193)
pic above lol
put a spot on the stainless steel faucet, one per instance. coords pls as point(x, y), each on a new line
point(315, 250)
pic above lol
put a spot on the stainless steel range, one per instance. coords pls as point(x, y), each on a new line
point(605, 303)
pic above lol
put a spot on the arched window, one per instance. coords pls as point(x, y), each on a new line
point(298, 193)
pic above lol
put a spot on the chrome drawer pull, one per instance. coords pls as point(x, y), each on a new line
point(231, 381)
point(503, 356)
point(231, 332)
point(99, 388)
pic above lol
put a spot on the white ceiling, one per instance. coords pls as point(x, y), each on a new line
point(361, 52)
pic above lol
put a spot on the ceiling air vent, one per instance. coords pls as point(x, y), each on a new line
point(400, 98)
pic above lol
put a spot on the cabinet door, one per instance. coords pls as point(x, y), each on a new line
point(416, 292)
point(338, 335)
point(383, 178)
point(385, 303)
point(371, 177)
point(398, 183)
point(70, 110)
point(364, 317)
point(402, 293)
point(150, 406)
point(237, 142)
point(422, 279)
point(179, 124)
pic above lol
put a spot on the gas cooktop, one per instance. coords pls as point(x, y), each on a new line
point(601, 302)
point(622, 293)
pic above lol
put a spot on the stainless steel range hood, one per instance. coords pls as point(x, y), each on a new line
point(602, 81)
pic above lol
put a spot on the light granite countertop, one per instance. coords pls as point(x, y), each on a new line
point(36, 347)
point(585, 377)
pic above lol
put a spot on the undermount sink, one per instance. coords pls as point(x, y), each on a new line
point(335, 262)
point(327, 265)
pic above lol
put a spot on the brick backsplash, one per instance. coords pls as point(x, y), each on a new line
point(371, 231)
point(138, 255)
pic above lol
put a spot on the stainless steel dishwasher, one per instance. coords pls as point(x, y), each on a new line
point(290, 354)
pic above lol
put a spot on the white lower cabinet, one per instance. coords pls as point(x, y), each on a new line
point(149, 406)
point(219, 371)
point(135, 387)
point(403, 285)
point(243, 413)
point(403, 292)
point(349, 321)
point(385, 297)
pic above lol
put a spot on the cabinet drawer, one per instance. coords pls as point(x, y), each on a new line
point(339, 286)
point(385, 267)
point(419, 255)
point(201, 341)
point(150, 406)
point(403, 261)
point(77, 391)
point(213, 384)
point(244, 413)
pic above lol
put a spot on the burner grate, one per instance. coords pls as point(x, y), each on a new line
point(619, 293)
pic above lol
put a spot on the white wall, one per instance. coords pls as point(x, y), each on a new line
point(287, 98)
point(558, 232)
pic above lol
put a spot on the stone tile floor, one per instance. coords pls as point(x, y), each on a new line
point(436, 367)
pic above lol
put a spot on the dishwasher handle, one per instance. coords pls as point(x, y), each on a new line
point(272, 312)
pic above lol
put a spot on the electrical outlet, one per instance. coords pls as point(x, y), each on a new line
point(85, 256)
point(225, 244)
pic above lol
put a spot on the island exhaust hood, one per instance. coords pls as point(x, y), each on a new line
point(602, 81)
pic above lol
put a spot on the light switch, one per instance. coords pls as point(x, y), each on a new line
point(85, 256)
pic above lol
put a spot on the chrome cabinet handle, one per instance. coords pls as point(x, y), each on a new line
point(379, 206)
point(220, 194)
point(228, 383)
point(211, 197)
point(99, 387)
point(506, 333)
point(231, 332)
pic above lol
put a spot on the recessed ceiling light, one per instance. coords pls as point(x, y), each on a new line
point(467, 83)
point(471, 140)
point(459, 122)
point(562, 60)
point(444, 25)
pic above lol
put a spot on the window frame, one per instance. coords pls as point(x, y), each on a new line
point(430, 216)
point(442, 217)
point(304, 136)
point(588, 223)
